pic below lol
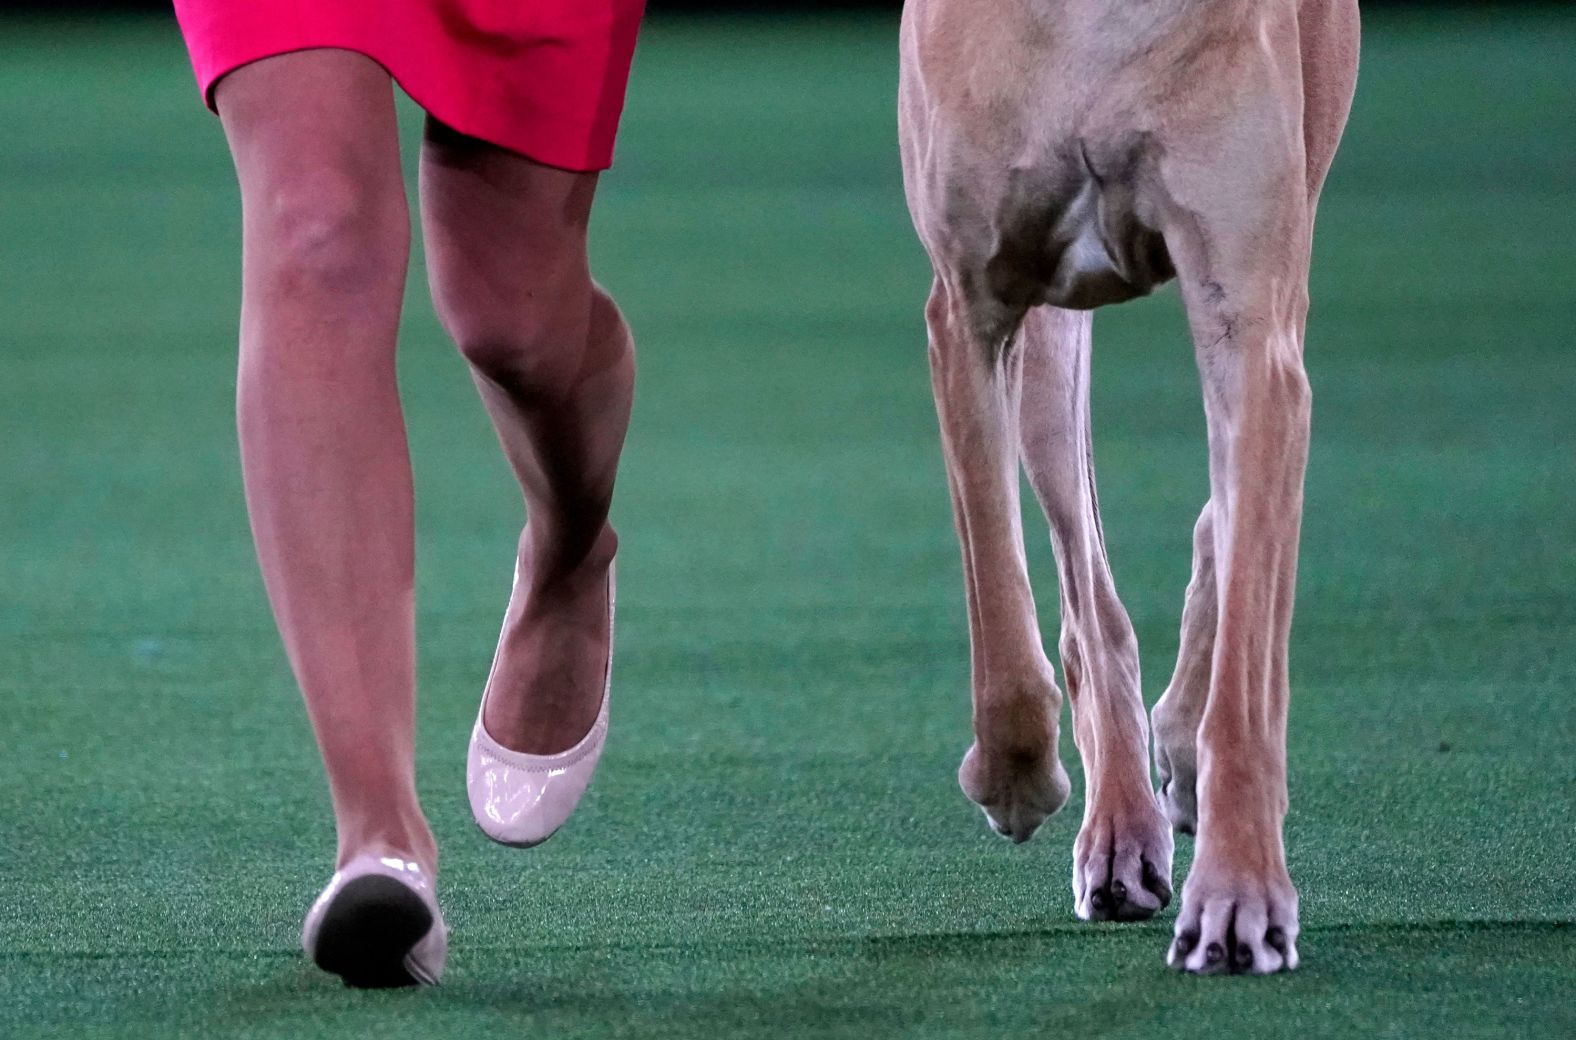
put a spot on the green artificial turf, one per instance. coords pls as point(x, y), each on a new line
point(776, 846)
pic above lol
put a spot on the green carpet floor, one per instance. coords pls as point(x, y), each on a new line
point(776, 846)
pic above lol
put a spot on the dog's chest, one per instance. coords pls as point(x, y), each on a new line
point(1075, 228)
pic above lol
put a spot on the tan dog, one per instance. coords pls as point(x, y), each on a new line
point(1064, 154)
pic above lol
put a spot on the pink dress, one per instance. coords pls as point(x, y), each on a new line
point(544, 78)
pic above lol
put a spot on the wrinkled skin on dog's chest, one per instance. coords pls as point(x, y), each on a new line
point(1071, 234)
point(1079, 99)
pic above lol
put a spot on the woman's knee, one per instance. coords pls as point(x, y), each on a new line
point(316, 150)
point(329, 230)
point(546, 342)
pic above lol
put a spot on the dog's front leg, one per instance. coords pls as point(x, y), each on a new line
point(1012, 771)
point(1122, 857)
point(1241, 240)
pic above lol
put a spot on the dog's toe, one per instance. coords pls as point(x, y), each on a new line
point(1122, 864)
point(1247, 928)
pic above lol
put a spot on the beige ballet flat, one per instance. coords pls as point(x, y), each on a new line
point(377, 924)
point(520, 799)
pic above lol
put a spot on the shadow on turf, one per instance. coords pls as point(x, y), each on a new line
point(1425, 978)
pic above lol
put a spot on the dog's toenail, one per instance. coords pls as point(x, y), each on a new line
point(1185, 943)
point(1243, 959)
point(1277, 939)
point(1099, 900)
point(1119, 891)
point(1214, 953)
point(1157, 884)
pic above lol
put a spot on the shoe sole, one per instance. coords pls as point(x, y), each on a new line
point(368, 930)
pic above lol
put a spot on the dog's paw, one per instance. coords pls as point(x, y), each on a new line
point(1235, 924)
point(1122, 862)
point(1016, 793)
point(1176, 762)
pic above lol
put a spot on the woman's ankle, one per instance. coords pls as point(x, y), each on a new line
point(557, 556)
point(403, 840)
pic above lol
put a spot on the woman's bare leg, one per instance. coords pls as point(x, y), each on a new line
point(326, 243)
point(552, 357)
